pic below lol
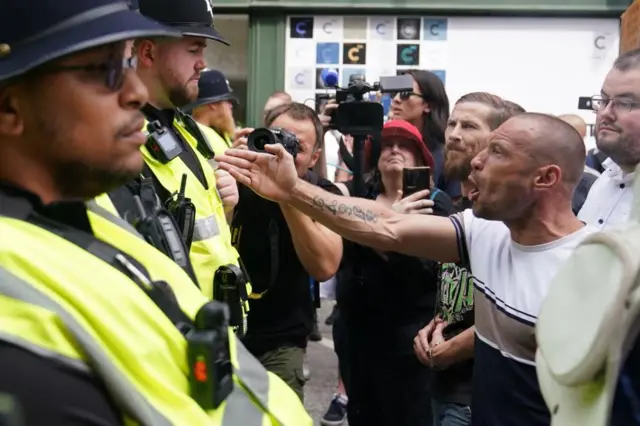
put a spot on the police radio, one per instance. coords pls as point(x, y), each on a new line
point(184, 213)
point(230, 287)
point(209, 356)
point(160, 230)
point(162, 143)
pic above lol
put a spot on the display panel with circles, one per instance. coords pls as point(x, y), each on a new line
point(358, 45)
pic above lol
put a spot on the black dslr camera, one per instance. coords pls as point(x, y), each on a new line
point(263, 136)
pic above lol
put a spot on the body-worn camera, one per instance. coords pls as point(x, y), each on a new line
point(257, 140)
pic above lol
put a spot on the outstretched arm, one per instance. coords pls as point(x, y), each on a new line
point(273, 175)
point(372, 224)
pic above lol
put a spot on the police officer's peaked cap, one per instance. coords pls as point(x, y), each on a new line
point(191, 17)
point(213, 87)
point(33, 32)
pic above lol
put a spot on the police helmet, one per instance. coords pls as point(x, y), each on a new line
point(33, 32)
point(190, 17)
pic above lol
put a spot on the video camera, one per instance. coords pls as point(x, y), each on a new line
point(263, 136)
point(354, 116)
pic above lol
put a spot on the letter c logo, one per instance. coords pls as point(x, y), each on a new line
point(407, 54)
point(301, 28)
point(353, 54)
point(326, 27)
point(300, 79)
point(380, 29)
point(599, 42)
point(435, 29)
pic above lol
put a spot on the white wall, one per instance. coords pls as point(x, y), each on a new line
point(544, 64)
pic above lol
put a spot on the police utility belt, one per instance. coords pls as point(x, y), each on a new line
point(230, 281)
point(208, 353)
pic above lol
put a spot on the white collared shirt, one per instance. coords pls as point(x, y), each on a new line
point(608, 204)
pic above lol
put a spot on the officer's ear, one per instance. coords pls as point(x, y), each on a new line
point(11, 124)
point(146, 51)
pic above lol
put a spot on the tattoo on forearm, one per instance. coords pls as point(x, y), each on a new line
point(342, 209)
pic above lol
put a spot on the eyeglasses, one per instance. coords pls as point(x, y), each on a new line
point(598, 103)
point(111, 72)
point(406, 95)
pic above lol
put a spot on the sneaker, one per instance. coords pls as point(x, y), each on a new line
point(306, 371)
point(336, 413)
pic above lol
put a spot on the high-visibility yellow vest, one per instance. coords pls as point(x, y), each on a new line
point(104, 201)
point(211, 246)
point(57, 299)
point(219, 143)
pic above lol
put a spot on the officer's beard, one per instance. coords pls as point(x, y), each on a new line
point(181, 95)
point(77, 180)
point(227, 125)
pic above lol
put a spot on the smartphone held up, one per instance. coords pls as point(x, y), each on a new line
point(415, 179)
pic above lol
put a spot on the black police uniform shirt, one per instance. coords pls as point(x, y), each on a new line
point(455, 306)
point(284, 315)
point(46, 390)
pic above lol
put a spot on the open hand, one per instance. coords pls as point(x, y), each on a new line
point(416, 203)
point(271, 175)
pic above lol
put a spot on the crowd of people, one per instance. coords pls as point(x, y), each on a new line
point(511, 199)
point(158, 269)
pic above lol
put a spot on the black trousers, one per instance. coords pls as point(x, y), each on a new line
point(386, 387)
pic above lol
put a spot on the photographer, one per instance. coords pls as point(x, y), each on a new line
point(282, 248)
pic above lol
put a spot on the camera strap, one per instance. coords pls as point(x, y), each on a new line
point(345, 155)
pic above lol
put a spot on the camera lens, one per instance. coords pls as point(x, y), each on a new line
point(259, 138)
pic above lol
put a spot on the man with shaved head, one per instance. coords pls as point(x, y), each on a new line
point(519, 231)
point(446, 343)
point(577, 122)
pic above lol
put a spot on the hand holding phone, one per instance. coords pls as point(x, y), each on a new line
point(415, 179)
point(415, 191)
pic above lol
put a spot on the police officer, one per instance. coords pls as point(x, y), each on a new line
point(97, 327)
point(213, 110)
point(176, 148)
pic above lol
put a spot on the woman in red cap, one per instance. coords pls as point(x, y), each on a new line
point(384, 299)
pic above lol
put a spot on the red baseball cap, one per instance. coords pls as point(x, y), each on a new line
point(404, 129)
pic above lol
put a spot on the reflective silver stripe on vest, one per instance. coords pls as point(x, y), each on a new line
point(205, 229)
point(255, 377)
point(94, 207)
point(120, 389)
